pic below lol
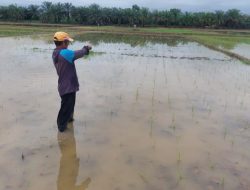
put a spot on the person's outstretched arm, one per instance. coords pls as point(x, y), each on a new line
point(71, 56)
point(80, 53)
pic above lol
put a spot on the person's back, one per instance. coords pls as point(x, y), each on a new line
point(65, 67)
point(68, 85)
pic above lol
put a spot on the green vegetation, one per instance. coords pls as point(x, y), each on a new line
point(63, 13)
point(19, 30)
point(226, 42)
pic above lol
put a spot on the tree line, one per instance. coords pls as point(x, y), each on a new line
point(66, 13)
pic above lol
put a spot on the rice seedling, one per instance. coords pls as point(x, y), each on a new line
point(152, 120)
point(169, 101)
point(153, 94)
point(111, 115)
point(120, 98)
point(223, 182)
point(173, 126)
point(211, 164)
point(179, 158)
point(232, 143)
point(179, 176)
point(143, 178)
point(225, 133)
point(165, 73)
point(225, 107)
point(192, 111)
point(137, 94)
point(242, 103)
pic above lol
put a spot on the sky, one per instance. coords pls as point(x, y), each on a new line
point(184, 5)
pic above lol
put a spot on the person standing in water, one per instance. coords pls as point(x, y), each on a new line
point(68, 85)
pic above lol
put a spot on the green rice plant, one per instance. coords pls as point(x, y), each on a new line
point(120, 98)
point(211, 166)
point(173, 123)
point(192, 111)
point(225, 133)
point(137, 94)
point(173, 118)
point(179, 176)
point(111, 114)
point(144, 179)
point(179, 158)
point(223, 182)
point(165, 74)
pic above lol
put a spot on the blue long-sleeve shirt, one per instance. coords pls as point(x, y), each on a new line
point(64, 63)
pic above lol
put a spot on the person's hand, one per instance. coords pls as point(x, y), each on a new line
point(88, 46)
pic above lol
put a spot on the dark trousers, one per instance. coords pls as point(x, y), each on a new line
point(66, 111)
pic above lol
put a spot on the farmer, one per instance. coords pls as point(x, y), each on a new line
point(68, 85)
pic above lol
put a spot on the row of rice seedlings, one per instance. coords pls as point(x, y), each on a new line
point(173, 125)
point(152, 105)
point(179, 173)
point(153, 94)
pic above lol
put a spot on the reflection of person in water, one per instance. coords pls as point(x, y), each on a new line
point(69, 164)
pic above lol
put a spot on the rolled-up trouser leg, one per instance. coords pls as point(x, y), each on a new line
point(66, 110)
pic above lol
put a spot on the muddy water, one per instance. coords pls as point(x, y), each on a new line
point(150, 114)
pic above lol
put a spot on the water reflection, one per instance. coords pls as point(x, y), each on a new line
point(69, 163)
point(133, 40)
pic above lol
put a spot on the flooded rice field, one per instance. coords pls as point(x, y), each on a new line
point(242, 49)
point(151, 114)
